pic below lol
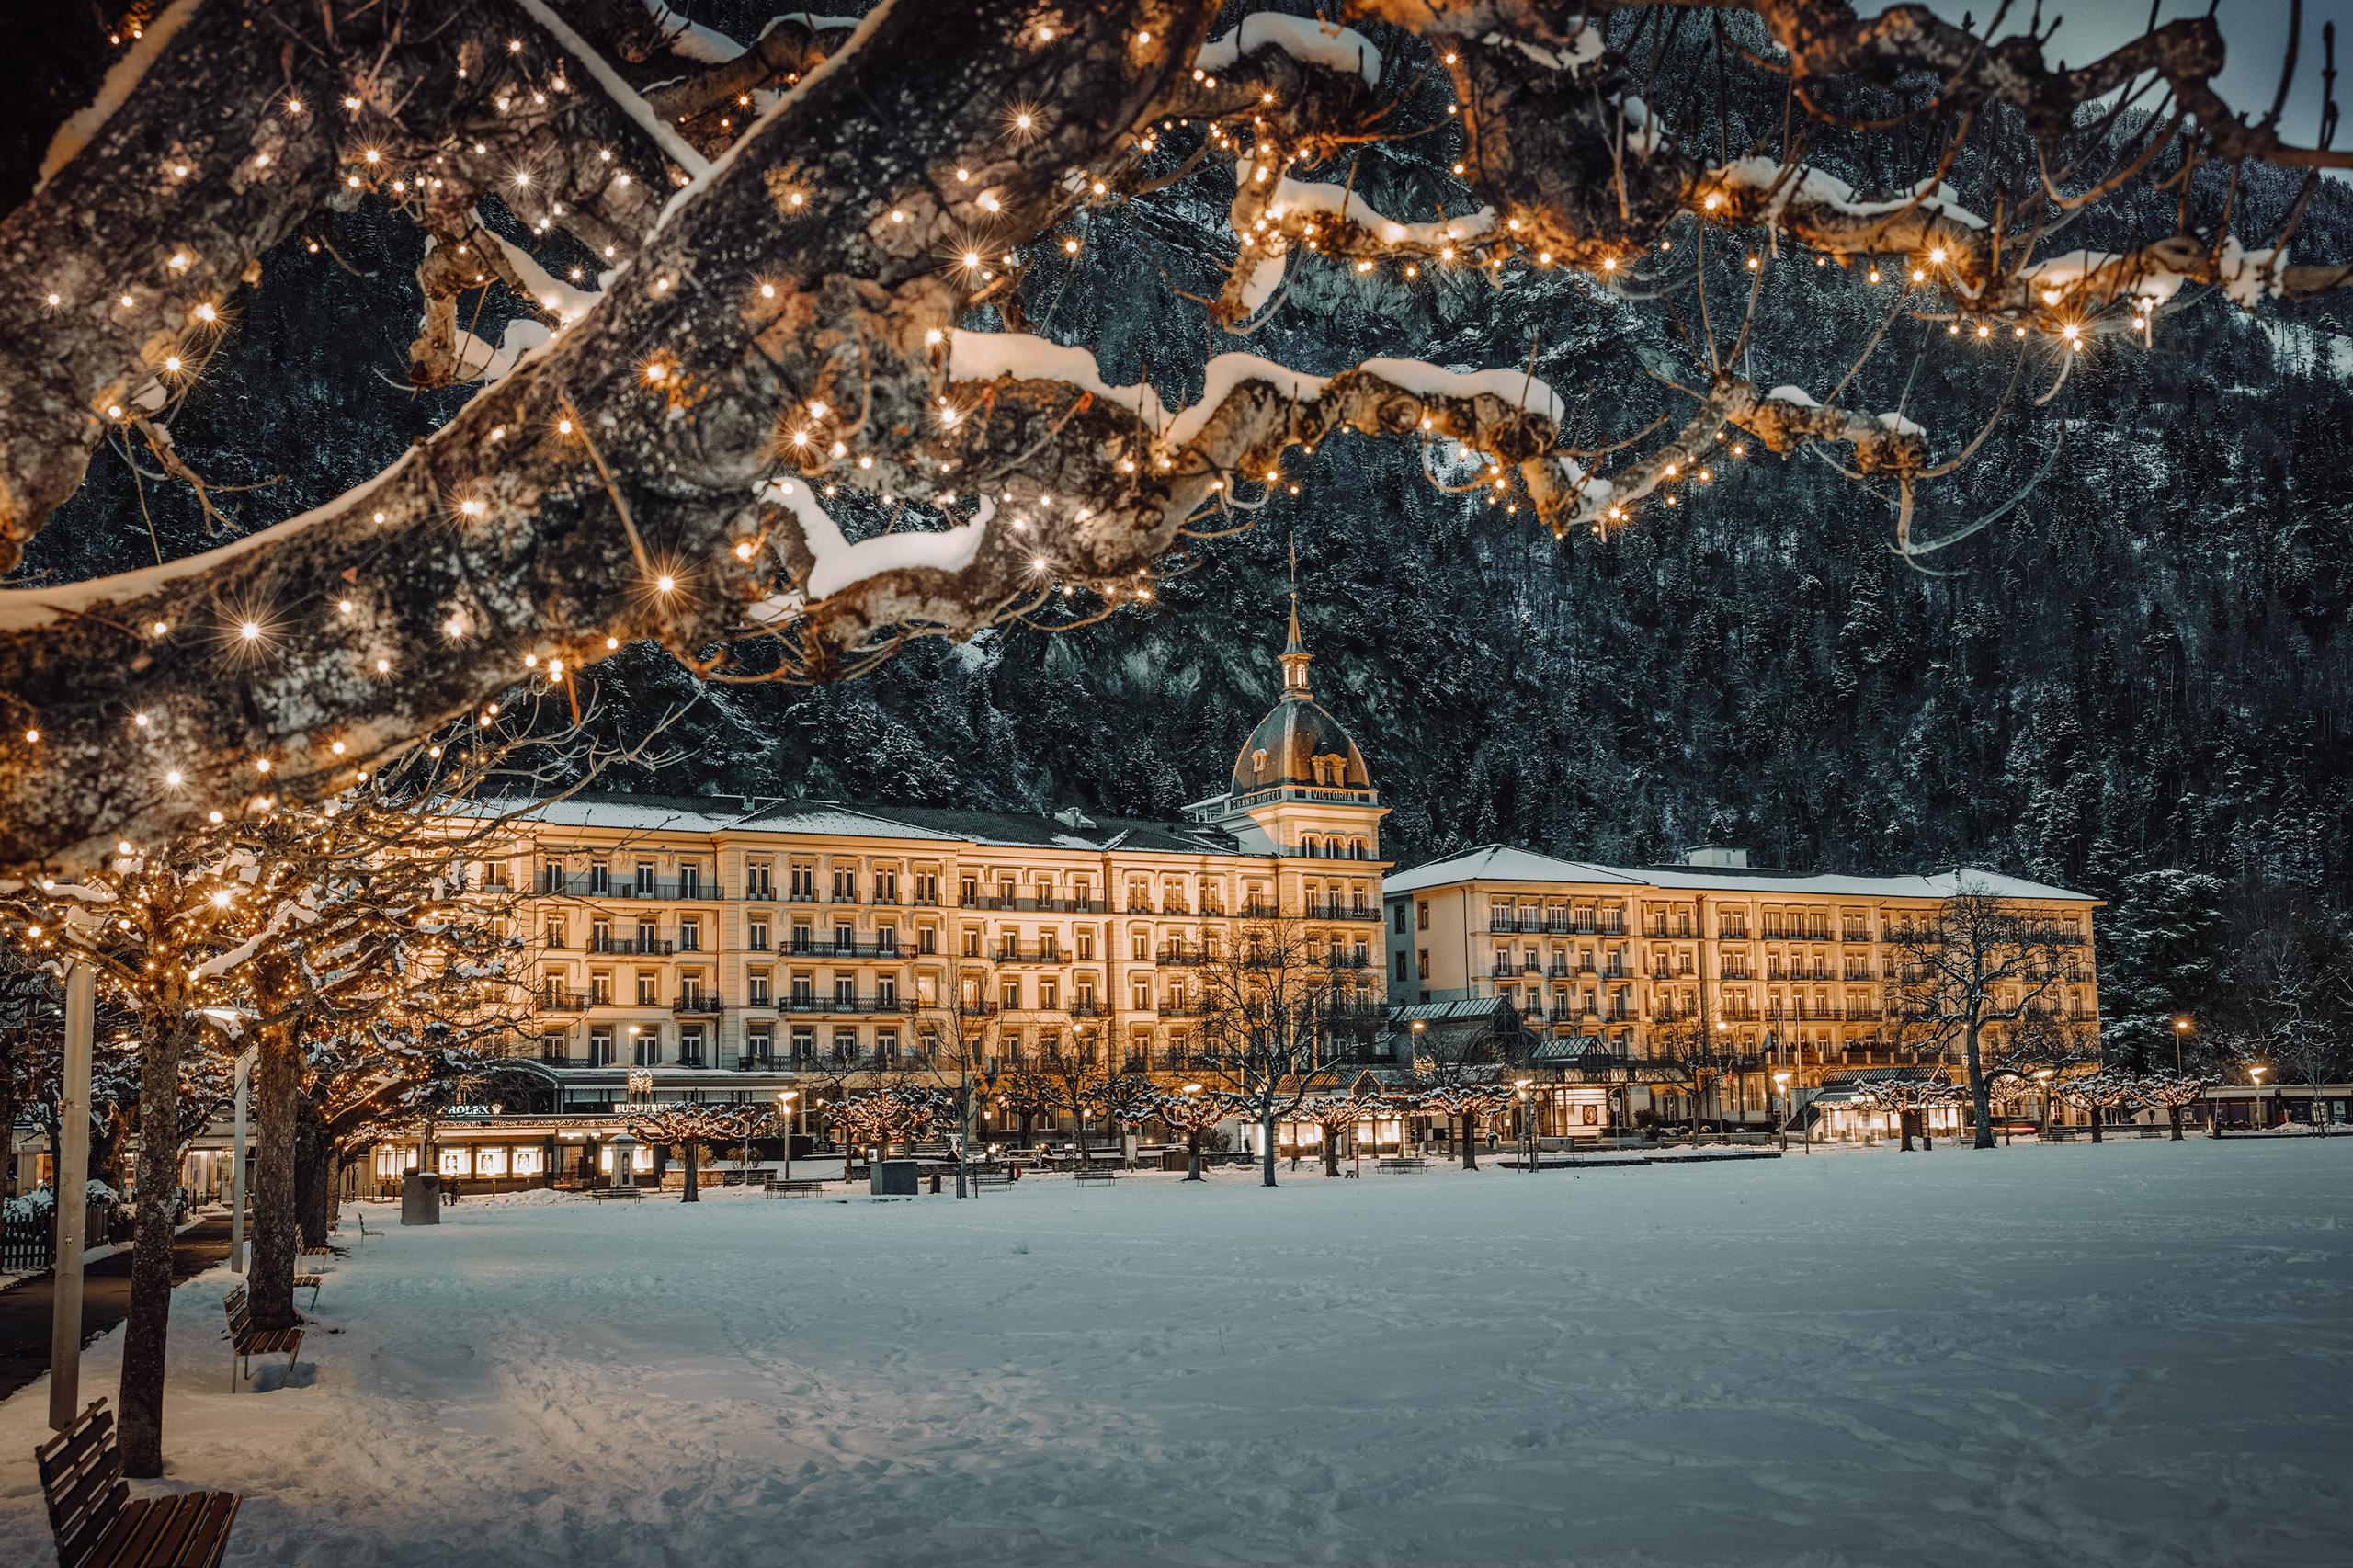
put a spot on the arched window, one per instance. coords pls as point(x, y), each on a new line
point(1258, 760)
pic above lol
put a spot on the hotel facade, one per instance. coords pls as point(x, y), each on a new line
point(1612, 967)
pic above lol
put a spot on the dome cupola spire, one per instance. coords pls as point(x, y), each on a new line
point(1295, 658)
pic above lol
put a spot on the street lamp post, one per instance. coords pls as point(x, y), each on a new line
point(1781, 1120)
point(1419, 1025)
point(2042, 1078)
point(1526, 1127)
point(2180, 1027)
point(784, 1113)
point(2257, 1073)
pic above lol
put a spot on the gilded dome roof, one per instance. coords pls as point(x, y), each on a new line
point(1299, 743)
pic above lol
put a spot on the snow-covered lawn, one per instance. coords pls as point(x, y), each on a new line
point(2138, 1353)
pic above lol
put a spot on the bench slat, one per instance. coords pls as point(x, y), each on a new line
point(67, 1450)
point(84, 1499)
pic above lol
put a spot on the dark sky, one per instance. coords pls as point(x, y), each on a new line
point(2255, 31)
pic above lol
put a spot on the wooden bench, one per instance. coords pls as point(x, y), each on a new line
point(1399, 1165)
point(983, 1175)
point(96, 1522)
point(602, 1193)
point(245, 1341)
point(1095, 1173)
point(794, 1186)
point(314, 1259)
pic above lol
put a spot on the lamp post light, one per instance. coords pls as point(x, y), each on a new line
point(1526, 1126)
point(2044, 1078)
point(2180, 1027)
point(784, 1113)
point(1419, 1025)
point(1781, 1120)
point(2257, 1073)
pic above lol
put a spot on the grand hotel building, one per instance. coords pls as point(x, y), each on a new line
point(721, 948)
point(729, 948)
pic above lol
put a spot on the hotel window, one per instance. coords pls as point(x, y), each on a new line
point(601, 1045)
point(689, 879)
point(928, 940)
point(690, 935)
point(756, 936)
point(600, 876)
point(600, 936)
point(1401, 963)
point(551, 1044)
point(1422, 915)
point(927, 887)
point(645, 869)
point(886, 1044)
point(1139, 946)
point(800, 882)
point(845, 991)
point(1050, 947)
point(1423, 959)
point(886, 991)
point(690, 1046)
point(648, 936)
point(755, 879)
point(972, 941)
point(1085, 998)
point(555, 932)
point(844, 1045)
point(1085, 942)
point(845, 886)
point(1049, 994)
point(1081, 893)
point(801, 936)
point(804, 1044)
point(645, 1048)
point(886, 887)
point(968, 891)
point(1009, 995)
point(886, 938)
point(1140, 996)
point(755, 988)
point(649, 988)
point(805, 991)
point(845, 937)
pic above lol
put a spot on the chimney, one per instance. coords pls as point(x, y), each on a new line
point(1716, 855)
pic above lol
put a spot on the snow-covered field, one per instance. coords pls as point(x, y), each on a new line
point(2137, 1353)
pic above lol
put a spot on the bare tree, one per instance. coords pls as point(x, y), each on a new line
point(777, 349)
point(690, 1127)
point(1192, 1110)
point(1979, 962)
point(2171, 1092)
point(2096, 1094)
point(1464, 1070)
point(1267, 1002)
point(2287, 1006)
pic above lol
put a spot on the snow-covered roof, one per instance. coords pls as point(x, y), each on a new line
point(717, 814)
point(1503, 863)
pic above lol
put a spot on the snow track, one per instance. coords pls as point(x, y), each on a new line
point(2127, 1354)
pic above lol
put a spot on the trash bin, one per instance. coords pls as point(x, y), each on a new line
point(891, 1179)
point(420, 1198)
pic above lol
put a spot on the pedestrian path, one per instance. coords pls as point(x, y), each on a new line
point(26, 1306)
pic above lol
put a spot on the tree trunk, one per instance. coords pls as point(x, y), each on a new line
point(2094, 1122)
point(1331, 1152)
point(1193, 1154)
point(139, 1398)
point(1469, 1144)
point(1981, 1099)
point(314, 1175)
point(1904, 1124)
point(2172, 1117)
point(694, 1151)
point(1266, 1148)
point(270, 1276)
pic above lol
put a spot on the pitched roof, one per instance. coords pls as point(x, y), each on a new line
point(1503, 863)
point(680, 813)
